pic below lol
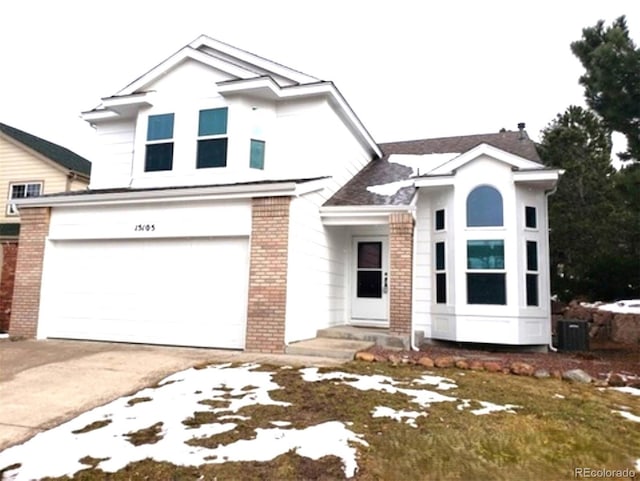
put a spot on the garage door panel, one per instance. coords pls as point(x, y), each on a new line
point(181, 292)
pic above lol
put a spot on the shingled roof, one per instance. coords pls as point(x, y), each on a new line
point(381, 171)
point(58, 154)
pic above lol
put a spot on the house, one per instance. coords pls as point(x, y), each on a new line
point(29, 166)
point(242, 204)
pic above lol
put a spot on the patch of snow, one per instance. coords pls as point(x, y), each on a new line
point(235, 417)
point(634, 391)
point(558, 396)
point(466, 404)
point(438, 382)
point(387, 412)
point(281, 424)
point(391, 188)
point(628, 306)
point(422, 164)
point(627, 415)
point(488, 407)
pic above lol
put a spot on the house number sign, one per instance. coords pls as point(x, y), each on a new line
point(144, 228)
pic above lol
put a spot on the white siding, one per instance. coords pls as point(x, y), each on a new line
point(112, 166)
point(316, 283)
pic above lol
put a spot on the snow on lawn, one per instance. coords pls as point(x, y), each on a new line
point(634, 391)
point(422, 397)
point(175, 399)
point(179, 396)
point(627, 415)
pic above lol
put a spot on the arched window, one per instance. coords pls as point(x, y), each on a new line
point(484, 207)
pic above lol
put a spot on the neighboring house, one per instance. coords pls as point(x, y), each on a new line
point(29, 167)
point(241, 204)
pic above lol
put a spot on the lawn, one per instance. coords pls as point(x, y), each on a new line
point(368, 421)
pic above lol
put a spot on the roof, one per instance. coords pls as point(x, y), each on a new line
point(58, 154)
point(381, 171)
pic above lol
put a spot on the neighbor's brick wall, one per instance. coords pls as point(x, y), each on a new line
point(401, 272)
point(268, 274)
point(7, 276)
point(26, 295)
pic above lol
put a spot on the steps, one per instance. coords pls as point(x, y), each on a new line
point(343, 342)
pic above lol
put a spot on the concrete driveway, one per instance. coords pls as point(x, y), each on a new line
point(44, 383)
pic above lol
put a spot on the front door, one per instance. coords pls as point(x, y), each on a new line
point(371, 280)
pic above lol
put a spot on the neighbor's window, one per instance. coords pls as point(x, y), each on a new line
point(486, 275)
point(440, 219)
point(484, 207)
point(532, 274)
point(256, 156)
point(212, 138)
point(530, 217)
point(22, 191)
point(441, 274)
point(159, 149)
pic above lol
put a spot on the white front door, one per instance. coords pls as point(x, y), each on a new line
point(370, 280)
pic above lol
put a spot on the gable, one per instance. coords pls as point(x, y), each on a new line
point(189, 77)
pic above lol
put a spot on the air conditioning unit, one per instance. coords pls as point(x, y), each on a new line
point(573, 335)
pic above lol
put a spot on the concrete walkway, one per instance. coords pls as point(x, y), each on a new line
point(44, 383)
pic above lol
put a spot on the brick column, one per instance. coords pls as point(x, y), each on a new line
point(26, 294)
point(7, 276)
point(268, 274)
point(401, 272)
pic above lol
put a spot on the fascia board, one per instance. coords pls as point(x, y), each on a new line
point(489, 150)
point(319, 88)
point(248, 57)
point(97, 115)
point(166, 195)
point(361, 215)
point(183, 54)
point(434, 181)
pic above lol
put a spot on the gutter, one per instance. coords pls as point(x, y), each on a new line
point(547, 194)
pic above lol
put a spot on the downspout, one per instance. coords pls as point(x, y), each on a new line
point(548, 193)
point(412, 342)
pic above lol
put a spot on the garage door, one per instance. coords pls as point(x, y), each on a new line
point(189, 292)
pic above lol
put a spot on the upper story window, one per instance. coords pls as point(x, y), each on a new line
point(159, 149)
point(22, 191)
point(212, 138)
point(256, 156)
point(530, 217)
point(484, 207)
point(440, 219)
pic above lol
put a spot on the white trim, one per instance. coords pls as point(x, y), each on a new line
point(491, 151)
point(435, 181)
point(178, 194)
point(361, 215)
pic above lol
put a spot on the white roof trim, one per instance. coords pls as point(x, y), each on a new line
point(275, 189)
point(362, 214)
point(178, 57)
point(489, 150)
point(434, 181)
point(324, 88)
point(260, 62)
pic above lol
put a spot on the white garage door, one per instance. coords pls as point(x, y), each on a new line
point(189, 292)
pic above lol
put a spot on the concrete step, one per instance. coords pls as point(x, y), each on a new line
point(376, 336)
point(326, 347)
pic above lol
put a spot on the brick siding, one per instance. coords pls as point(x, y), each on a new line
point(401, 272)
point(26, 295)
point(7, 278)
point(268, 274)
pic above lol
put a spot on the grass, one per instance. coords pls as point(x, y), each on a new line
point(92, 426)
point(148, 435)
point(546, 439)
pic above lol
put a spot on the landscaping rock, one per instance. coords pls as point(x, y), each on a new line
point(625, 328)
point(476, 365)
point(492, 366)
point(365, 356)
point(556, 374)
point(522, 369)
point(426, 361)
point(616, 380)
point(541, 374)
point(577, 375)
point(462, 364)
point(444, 361)
point(634, 384)
point(393, 359)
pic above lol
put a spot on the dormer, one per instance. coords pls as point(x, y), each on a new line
point(212, 113)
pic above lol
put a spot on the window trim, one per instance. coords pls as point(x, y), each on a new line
point(475, 224)
point(218, 136)
point(498, 271)
point(531, 273)
point(535, 217)
point(264, 146)
point(11, 209)
point(440, 272)
point(444, 220)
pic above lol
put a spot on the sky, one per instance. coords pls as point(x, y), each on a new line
point(409, 69)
